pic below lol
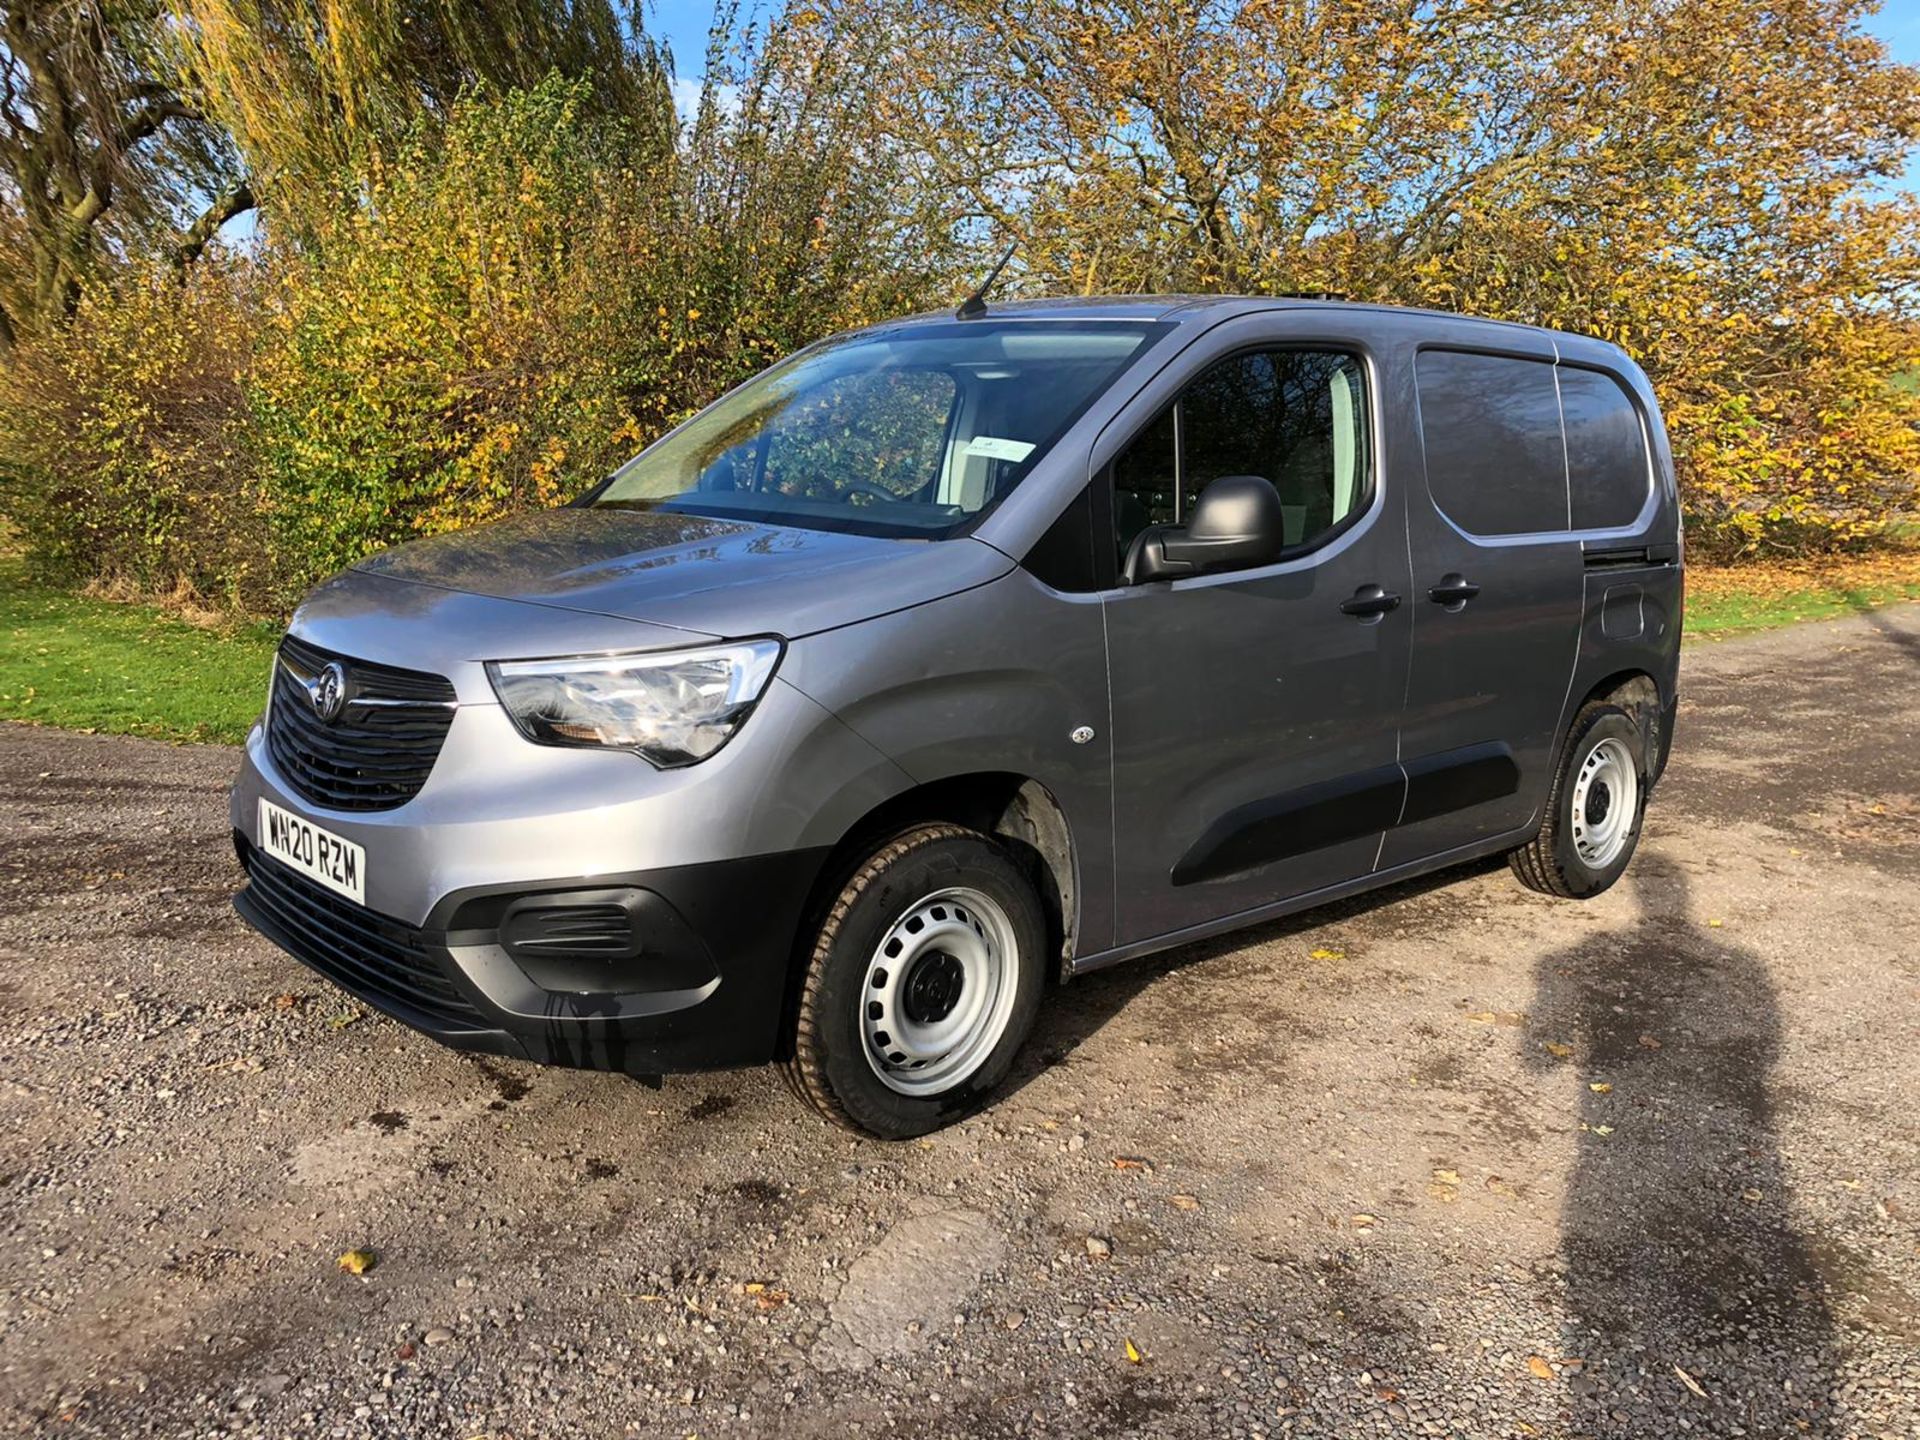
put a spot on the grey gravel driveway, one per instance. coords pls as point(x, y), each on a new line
point(1454, 1160)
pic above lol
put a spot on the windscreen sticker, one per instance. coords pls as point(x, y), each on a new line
point(995, 448)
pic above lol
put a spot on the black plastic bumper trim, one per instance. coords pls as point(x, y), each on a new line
point(745, 914)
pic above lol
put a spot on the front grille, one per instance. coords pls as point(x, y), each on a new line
point(380, 960)
point(378, 752)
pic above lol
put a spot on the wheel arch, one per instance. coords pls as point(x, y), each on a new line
point(1638, 692)
point(1016, 808)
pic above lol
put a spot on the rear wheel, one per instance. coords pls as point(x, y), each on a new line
point(1594, 812)
point(923, 983)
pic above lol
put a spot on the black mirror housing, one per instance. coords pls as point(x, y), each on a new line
point(1237, 522)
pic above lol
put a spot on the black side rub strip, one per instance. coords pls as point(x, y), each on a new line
point(1349, 808)
point(1455, 779)
point(1310, 818)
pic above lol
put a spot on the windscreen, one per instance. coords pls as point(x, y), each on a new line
point(908, 433)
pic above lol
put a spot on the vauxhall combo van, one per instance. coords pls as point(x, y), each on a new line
point(954, 658)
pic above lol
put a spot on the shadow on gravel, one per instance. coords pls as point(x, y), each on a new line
point(1875, 615)
point(1677, 1239)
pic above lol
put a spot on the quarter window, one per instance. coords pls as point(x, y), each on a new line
point(1607, 466)
point(1296, 418)
point(1490, 426)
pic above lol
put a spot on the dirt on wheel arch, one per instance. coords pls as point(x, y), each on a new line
point(1452, 1160)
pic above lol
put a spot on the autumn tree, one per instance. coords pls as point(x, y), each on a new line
point(99, 151)
point(137, 128)
point(310, 90)
point(1699, 180)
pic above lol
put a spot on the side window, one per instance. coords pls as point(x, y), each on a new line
point(1296, 418)
point(1608, 469)
point(1491, 429)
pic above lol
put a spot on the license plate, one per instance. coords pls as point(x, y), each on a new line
point(338, 864)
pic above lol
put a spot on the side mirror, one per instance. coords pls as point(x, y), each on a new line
point(1236, 522)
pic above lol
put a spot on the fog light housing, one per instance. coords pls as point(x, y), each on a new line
point(602, 942)
point(563, 925)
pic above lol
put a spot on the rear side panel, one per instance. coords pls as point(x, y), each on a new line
point(1634, 583)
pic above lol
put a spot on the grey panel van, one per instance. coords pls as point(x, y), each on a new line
point(953, 658)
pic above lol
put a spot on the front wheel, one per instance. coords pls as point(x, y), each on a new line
point(1594, 812)
point(924, 982)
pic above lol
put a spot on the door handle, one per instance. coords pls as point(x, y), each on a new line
point(1453, 591)
point(1370, 602)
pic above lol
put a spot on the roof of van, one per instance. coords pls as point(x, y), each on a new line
point(1186, 309)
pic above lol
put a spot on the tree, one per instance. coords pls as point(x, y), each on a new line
point(138, 127)
point(311, 89)
point(99, 150)
point(1699, 180)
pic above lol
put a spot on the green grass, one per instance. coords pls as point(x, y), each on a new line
point(1726, 604)
point(125, 669)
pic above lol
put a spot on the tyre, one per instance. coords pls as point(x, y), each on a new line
point(923, 984)
point(1594, 811)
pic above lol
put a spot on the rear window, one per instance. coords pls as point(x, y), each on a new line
point(1491, 429)
point(1606, 450)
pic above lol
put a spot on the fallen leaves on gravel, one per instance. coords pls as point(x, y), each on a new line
point(1496, 1017)
point(1538, 1365)
point(1131, 1162)
point(1501, 1187)
point(357, 1262)
point(1691, 1383)
point(1557, 1049)
point(1600, 1087)
point(1647, 1042)
point(1135, 1355)
point(1324, 952)
point(343, 1019)
point(1185, 1202)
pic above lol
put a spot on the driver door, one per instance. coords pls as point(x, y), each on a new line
point(1255, 713)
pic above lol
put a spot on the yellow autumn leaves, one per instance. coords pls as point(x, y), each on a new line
point(482, 308)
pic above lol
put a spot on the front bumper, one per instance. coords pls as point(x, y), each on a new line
point(707, 986)
point(712, 864)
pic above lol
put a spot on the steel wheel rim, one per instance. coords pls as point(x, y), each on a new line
point(1606, 801)
point(939, 991)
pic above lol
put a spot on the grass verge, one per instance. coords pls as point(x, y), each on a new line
point(1731, 600)
point(100, 666)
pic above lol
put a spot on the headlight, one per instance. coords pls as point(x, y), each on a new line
point(670, 707)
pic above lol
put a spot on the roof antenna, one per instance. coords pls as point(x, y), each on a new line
point(975, 305)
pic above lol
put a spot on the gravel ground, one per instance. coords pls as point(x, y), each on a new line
point(1454, 1160)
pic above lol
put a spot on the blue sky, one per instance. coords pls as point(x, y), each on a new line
point(1898, 23)
point(683, 24)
